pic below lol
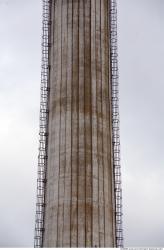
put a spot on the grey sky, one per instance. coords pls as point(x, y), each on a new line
point(20, 29)
point(141, 53)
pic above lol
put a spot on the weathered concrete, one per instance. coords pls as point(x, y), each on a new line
point(79, 191)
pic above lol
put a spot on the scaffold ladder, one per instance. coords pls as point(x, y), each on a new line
point(43, 132)
point(115, 122)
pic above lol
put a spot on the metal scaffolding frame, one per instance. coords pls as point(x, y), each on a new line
point(115, 122)
point(43, 134)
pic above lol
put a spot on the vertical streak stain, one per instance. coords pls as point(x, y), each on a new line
point(95, 223)
point(106, 166)
point(98, 100)
point(67, 192)
point(63, 115)
point(60, 180)
point(104, 100)
point(81, 146)
point(75, 67)
point(88, 143)
point(101, 166)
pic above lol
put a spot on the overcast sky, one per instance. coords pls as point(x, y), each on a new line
point(141, 66)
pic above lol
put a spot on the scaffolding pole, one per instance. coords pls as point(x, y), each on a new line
point(115, 122)
point(43, 131)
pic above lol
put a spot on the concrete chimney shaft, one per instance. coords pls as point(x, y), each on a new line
point(79, 196)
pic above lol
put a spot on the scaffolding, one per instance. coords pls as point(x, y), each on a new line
point(43, 132)
point(115, 122)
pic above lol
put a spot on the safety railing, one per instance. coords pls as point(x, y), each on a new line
point(43, 133)
point(115, 122)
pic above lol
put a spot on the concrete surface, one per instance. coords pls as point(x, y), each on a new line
point(79, 190)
